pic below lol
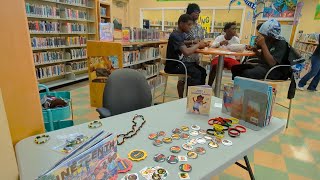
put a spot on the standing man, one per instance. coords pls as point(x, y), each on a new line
point(314, 72)
point(194, 36)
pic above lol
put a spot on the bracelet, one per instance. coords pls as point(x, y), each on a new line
point(95, 124)
point(218, 127)
point(45, 136)
point(242, 129)
point(210, 132)
point(226, 127)
point(213, 121)
point(233, 132)
point(234, 120)
point(219, 135)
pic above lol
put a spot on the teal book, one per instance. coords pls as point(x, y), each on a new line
point(250, 101)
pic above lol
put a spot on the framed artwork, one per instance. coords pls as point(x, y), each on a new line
point(279, 8)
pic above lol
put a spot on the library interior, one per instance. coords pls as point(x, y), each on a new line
point(152, 89)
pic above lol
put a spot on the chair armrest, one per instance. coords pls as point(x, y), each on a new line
point(103, 112)
point(273, 68)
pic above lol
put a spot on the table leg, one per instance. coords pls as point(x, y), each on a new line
point(247, 167)
point(219, 76)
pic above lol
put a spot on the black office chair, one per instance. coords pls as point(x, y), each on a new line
point(126, 90)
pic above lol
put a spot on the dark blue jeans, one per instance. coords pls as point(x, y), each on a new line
point(314, 73)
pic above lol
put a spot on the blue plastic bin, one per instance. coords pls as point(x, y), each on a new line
point(57, 118)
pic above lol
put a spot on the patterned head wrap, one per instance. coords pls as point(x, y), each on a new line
point(271, 28)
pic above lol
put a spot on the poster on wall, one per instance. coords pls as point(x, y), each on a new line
point(317, 15)
point(279, 8)
point(205, 22)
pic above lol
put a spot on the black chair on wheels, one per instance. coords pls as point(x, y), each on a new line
point(126, 90)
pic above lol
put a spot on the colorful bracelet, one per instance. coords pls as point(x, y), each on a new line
point(234, 120)
point(210, 132)
point(46, 138)
point(225, 127)
point(233, 132)
point(218, 127)
point(95, 124)
point(213, 121)
point(242, 129)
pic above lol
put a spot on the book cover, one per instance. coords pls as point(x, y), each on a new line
point(227, 98)
point(126, 35)
point(106, 31)
point(250, 100)
point(199, 99)
point(96, 162)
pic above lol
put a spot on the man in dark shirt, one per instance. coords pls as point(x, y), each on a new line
point(178, 50)
point(274, 51)
point(314, 72)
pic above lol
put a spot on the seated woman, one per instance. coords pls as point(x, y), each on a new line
point(274, 51)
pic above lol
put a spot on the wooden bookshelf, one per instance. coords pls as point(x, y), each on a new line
point(65, 42)
point(97, 49)
point(104, 12)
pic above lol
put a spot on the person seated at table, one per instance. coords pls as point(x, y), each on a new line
point(178, 50)
point(222, 41)
point(195, 35)
point(254, 48)
point(274, 51)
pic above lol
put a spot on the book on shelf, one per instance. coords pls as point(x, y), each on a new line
point(50, 71)
point(125, 35)
point(106, 31)
point(46, 57)
point(94, 159)
point(199, 100)
point(39, 10)
point(51, 42)
point(252, 102)
point(134, 56)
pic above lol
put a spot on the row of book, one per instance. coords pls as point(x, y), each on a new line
point(50, 71)
point(46, 57)
point(156, 82)
point(103, 11)
point(308, 48)
point(132, 57)
point(251, 101)
point(78, 66)
point(76, 2)
point(150, 70)
point(308, 37)
point(74, 14)
point(74, 27)
point(40, 10)
point(49, 42)
point(44, 26)
point(78, 53)
point(140, 35)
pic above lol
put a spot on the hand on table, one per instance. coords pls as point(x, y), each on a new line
point(224, 43)
point(202, 44)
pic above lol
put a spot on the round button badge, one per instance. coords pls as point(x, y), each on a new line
point(194, 133)
point(167, 140)
point(185, 167)
point(226, 142)
point(200, 150)
point(161, 133)
point(176, 131)
point(201, 140)
point(195, 127)
point(153, 136)
point(175, 149)
point(184, 136)
point(209, 138)
point(175, 136)
point(187, 147)
point(159, 157)
point(172, 159)
point(184, 128)
point(192, 142)
point(157, 142)
point(213, 144)
point(192, 155)
point(203, 132)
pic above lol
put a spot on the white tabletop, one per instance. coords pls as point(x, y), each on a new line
point(33, 159)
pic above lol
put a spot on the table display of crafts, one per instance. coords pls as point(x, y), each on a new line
point(196, 141)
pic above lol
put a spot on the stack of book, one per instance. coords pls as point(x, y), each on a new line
point(252, 102)
point(94, 159)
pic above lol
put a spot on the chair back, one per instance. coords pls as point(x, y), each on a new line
point(126, 90)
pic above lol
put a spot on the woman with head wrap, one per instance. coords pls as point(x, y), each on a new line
point(274, 51)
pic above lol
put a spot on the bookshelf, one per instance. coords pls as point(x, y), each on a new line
point(142, 56)
point(104, 12)
point(59, 31)
point(306, 45)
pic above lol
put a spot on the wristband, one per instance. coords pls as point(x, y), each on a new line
point(242, 129)
point(234, 120)
point(45, 138)
point(233, 132)
point(218, 127)
point(95, 124)
point(210, 132)
point(226, 127)
point(213, 121)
